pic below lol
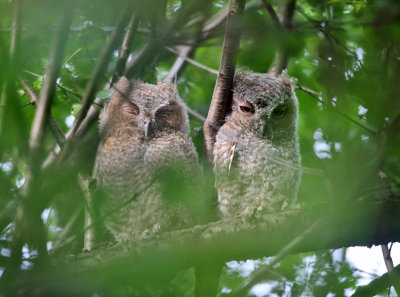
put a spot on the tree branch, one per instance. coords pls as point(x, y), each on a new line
point(272, 14)
point(182, 56)
point(148, 53)
point(223, 86)
point(84, 119)
point(185, 50)
point(260, 273)
point(57, 84)
point(48, 90)
point(98, 70)
point(125, 51)
point(93, 111)
point(239, 238)
point(390, 268)
point(285, 16)
point(182, 53)
point(377, 285)
point(8, 89)
point(53, 125)
point(28, 214)
point(317, 96)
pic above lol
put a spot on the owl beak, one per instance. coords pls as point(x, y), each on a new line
point(146, 126)
point(265, 130)
point(262, 129)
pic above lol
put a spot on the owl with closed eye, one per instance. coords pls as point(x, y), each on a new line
point(256, 153)
point(144, 138)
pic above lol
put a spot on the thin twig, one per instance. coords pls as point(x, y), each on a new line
point(149, 52)
point(53, 125)
point(92, 113)
point(377, 285)
point(285, 17)
point(317, 96)
point(101, 219)
point(48, 90)
point(195, 114)
point(390, 267)
point(57, 84)
point(272, 14)
point(186, 49)
point(183, 52)
point(260, 273)
point(28, 214)
point(223, 86)
point(7, 213)
point(71, 56)
point(191, 61)
point(124, 52)
point(61, 237)
point(317, 25)
point(13, 61)
point(98, 71)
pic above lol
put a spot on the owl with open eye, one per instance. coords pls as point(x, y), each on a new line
point(144, 159)
point(256, 153)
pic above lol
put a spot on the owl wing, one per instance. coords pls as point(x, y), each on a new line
point(223, 158)
point(224, 154)
point(170, 150)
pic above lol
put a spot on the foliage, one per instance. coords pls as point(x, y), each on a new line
point(346, 52)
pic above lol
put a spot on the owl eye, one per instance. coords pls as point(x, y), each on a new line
point(169, 115)
point(280, 111)
point(130, 108)
point(167, 111)
point(246, 108)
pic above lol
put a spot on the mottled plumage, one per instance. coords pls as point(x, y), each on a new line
point(256, 154)
point(144, 133)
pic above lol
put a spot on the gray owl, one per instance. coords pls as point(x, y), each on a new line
point(144, 136)
point(256, 153)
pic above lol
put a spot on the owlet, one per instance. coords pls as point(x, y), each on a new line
point(144, 160)
point(256, 153)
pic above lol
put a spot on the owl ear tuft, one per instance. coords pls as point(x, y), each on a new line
point(285, 77)
point(121, 88)
point(168, 86)
point(283, 74)
point(242, 75)
point(122, 84)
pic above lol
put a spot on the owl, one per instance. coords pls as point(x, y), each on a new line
point(256, 153)
point(144, 160)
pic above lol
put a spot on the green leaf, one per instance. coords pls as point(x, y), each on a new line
point(104, 94)
point(76, 107)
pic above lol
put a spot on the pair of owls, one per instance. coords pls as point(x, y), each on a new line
point(145, 131)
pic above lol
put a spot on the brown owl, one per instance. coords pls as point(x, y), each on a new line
point(144, 138)
point(256, 154)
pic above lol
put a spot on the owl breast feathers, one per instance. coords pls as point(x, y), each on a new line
point(144, 138)
point(256, 154)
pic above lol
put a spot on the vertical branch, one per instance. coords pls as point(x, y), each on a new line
point(223, 86)
point(93, 112)
point(52, 123)
point(98, 71)
point(184, 51)
point(124, 52)
point(285, 17)
point(48, 90)
point(28, 214)
point(92, 232)
point(272, 14)
point(7, 91)
point(390, 267)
